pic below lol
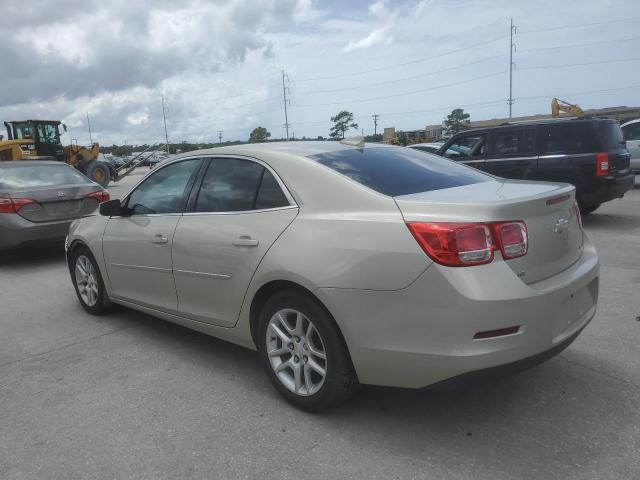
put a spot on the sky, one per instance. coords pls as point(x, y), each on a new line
point(218, 64)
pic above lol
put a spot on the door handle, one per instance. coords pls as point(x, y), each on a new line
point(245, 241)
point(158, 238)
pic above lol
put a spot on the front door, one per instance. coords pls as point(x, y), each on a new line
point(239, 211)
point(137, 247)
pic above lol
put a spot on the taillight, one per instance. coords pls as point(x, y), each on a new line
point(12, 205)
point(602, 164)
point(455, 244)
point(101, 195)
point(467, 244)
point(512, 239)
point(576, 209)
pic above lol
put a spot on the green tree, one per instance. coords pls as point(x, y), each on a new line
point(456, 121)
point(259, 135)
point(343, 121)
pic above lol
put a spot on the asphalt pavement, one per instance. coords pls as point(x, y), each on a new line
point(131, 396)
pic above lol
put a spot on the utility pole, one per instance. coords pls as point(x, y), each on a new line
point(375, 123)
point(89, 125)
point(220, 135)
point(164, 116)
point(512, 48)
point(284, 96)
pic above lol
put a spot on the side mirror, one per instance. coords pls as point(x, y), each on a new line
point(113, 208)
point(65, 127)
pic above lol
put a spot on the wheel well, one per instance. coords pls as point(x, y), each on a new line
point(74, 245)
point(266, 292)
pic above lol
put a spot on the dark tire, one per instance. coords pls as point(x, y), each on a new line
point(99, 173)
point(587, 209)
point(95, 302)
point(339, 380)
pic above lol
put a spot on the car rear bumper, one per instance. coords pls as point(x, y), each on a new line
point(16, 231)
point(606, 189)
point(424, 334)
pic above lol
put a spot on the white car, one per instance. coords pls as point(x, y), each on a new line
point(345, 263)
point(631, 132)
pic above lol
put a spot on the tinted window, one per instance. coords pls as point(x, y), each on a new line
point(467, 146)
point(230, 185)
point(39, 176)
point(165, 190)
point(567, 138)
point(426, 149)
point(632, 131)
point(514, 142)
point(270, 194)
point(610, 134)
point(399, 171)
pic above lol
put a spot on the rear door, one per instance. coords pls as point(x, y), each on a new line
point(512, 152)
point(137, 247)
point(239, 211)
point(470, 149)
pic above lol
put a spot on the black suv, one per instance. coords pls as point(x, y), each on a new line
point(590, 153)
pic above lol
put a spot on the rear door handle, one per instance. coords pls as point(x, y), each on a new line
point(158, 238)
point(245, 241)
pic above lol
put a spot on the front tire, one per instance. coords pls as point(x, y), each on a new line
point(88, 282)
point(304, 353)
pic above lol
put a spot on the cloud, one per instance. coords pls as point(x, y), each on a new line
point(379, 36)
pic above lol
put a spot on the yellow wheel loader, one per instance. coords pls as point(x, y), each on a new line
point(40, 140)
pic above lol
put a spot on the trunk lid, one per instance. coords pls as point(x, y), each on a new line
point(554, 234)
point(62, 202)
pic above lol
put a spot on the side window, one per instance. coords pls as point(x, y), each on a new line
point(577, 138)
point(632, 131)
point(467, 146)
point(164, 191)
point(514, 142)
point(270, 194)
point(230, 185)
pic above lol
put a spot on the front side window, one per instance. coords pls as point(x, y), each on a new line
point(632, 131)
point(47, 133)
point(235, 185)
point(165, 191)
point(514, 142)
point(466, 147)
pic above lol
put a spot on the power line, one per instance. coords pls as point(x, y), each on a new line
point(577, 45)
point(543, 67)
point(570, 26)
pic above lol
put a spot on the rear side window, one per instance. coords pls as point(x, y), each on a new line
point(235, 185)
point(39, 176)
point(610, 135)
point(514, 142)
point(568, 138)
point(399, 171)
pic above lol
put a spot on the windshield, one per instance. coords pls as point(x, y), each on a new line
point(18, 176)
point(48, 133)
point(399, 171)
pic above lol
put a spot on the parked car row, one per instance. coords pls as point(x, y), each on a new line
point(589, 153)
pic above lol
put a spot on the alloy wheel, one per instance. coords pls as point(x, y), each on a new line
point(86, 280)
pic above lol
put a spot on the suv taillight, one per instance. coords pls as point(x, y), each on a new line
point(602, 164)
point(12, 205)
point(468, 244)
point(101, 195)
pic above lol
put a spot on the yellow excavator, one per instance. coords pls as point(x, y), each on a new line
point(40, 140)
point(558, 106)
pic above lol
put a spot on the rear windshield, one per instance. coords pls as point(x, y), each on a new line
point(399, 171)
point(19, 176)
point(610, 135)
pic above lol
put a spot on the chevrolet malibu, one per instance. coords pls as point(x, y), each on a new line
point(345, 263)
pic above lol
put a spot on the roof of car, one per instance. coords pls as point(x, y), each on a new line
point(630, 122)
point(544, 121)
point(298, 148)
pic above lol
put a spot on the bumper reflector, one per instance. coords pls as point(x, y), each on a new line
point(500, 332)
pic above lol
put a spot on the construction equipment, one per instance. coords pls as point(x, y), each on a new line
point(558, 106)
point(40, 140)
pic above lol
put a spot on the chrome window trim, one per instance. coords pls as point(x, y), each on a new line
point(240, 212)
point(535, 157)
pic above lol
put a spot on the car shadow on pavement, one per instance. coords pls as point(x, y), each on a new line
point(606, 221)
point(34, 255)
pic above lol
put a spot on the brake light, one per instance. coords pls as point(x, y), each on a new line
point(12, 205)
point(455, 244)
point(468, 244)
point(512, 239)
point(101, 195)
point(602, 164)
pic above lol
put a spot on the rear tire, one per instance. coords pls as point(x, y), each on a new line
point(88, 282)
point(587, 209)
point(296, 333)
point(99, 173)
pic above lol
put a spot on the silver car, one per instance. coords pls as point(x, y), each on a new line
point(345, 263)
point(39, 199)
point(631, 132)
